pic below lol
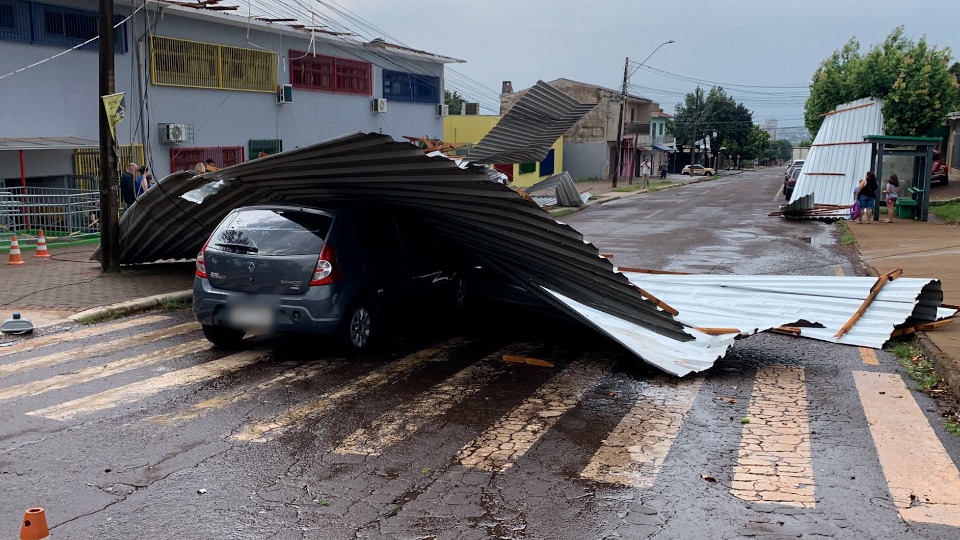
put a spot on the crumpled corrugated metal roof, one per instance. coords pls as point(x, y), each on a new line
point(563, 187)
point(756, 303)
point(717, 310)
point(522, 242)
point(528, 130)
point(839, 156)
point(494, 223)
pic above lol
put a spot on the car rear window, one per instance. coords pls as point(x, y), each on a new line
point(272, 232)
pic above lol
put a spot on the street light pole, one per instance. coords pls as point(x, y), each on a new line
point(623, 102)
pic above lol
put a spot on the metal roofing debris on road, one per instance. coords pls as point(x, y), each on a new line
point(564, 190)
point(528, 130)
point(839, 156)
point(678, 323)
point(757, 303)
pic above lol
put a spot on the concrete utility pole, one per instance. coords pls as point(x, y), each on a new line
point(623, 102)
point(109, 219)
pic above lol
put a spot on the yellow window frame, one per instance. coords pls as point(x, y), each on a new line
point(195, 64)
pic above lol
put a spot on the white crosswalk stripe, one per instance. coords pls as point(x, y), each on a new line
point(106, 370)
point(267, 429)
point(103, 331)
point(99, 349)
point(402, 422)
point(499, 448)
point(142, 389)
point(635, 450)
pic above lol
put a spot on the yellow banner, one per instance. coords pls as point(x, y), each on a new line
point(114, 106)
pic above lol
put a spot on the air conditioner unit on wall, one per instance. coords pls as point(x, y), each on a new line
point(173, 133)
point(443, 109)
point(285, 93)
point(470, 109)
point(379, 105)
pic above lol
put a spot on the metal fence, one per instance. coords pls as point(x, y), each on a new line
point(57, 211)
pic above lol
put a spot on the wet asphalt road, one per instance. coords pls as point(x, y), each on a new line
point(140, 429)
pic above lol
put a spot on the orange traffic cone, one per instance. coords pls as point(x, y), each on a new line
point(34, 525)
point(42, 246)
point(15, 257)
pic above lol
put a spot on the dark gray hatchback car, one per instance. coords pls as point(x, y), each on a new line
point(329, 271)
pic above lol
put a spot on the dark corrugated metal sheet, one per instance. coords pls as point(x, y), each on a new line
point(494, 223)
point(528, 130)
point(563, 187)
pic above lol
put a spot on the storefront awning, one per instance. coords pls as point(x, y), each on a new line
point(662, 147)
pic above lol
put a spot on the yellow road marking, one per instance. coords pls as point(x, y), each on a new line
point(499, 447)
point(869, 356)
point(102, 330)
point(923, 480)
point(774, 463)
point(635, 450)
point(98, 372)
point(393, 426)
point(257, 432)
point(100, 349)
point(149, 387)
point(247, 392)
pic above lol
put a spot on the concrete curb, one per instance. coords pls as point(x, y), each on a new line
point(946, 367)
point(133, 306)
point(123, 308)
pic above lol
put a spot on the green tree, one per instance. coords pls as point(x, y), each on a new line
point(913, 79)
point(454, 101)
point(758, 141)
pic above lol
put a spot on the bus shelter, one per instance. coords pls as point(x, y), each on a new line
point(921, 150)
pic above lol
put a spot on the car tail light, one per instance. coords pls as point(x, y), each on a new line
point(201, 264)
point(326, 271)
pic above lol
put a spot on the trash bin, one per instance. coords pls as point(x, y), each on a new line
point(905, 207)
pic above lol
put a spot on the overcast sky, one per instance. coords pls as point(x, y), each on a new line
point(745, 42)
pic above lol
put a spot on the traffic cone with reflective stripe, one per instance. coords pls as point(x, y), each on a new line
point(42, 246)
point(34, 525)
point(15, 257)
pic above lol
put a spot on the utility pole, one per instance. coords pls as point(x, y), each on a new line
point(623, 102)
point(109, 219)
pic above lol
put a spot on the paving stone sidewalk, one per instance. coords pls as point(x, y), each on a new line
point(69, 282)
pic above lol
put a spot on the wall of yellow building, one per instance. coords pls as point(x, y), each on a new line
point(470, 129)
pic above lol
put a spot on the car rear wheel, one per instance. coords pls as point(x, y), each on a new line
point(222, 335)
point(356, 328)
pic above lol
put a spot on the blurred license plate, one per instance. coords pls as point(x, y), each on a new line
point(251, 316)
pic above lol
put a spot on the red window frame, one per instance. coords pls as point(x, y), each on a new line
point(186, 158)
point(330, 74)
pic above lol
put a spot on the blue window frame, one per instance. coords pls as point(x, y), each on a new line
point(48, 24)
point(410, 87)
point(14, 20)
point(546, 166)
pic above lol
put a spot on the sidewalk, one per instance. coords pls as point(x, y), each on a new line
point(921, 249)
point(47, 291)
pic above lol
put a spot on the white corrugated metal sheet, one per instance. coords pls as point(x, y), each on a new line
point(839, 156)
point(754, 304)
point(757, 303)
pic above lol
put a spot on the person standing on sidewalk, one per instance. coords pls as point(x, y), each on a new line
point(891, 192)
point(867, 196)
point(127, 179)
point(645, 172)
